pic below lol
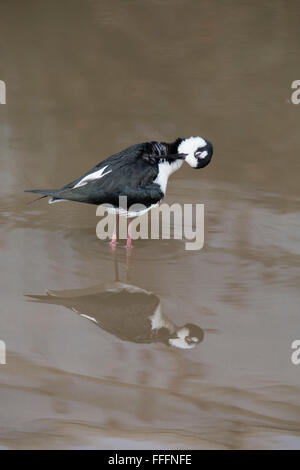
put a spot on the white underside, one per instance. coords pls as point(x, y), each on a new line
point(53, 201)
point(117, 210)
point(129, 213)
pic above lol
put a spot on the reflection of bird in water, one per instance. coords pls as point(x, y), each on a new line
point(127, 312)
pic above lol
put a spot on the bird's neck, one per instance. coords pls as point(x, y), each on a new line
point(165, 169)
point(164, 148)
point(173, 146)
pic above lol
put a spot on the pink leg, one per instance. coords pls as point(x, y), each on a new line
point(114, 239)
point(128, 244)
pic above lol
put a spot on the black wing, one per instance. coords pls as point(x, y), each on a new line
point(125, 313)
point(123, 162)
point(128, 173)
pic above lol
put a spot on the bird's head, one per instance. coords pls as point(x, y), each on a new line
point(198, 151)
point(187, 337)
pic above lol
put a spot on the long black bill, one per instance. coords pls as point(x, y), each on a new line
point(176, 156)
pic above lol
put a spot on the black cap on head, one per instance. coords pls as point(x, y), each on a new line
point(195, 331)
point(206, 152)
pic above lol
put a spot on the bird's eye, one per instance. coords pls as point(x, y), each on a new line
point(199, 151)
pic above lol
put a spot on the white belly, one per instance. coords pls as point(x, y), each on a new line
point(129, 213)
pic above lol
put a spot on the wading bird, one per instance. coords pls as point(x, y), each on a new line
point(139, 172)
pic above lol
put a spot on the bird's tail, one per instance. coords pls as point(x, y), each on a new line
point(44, 192)
point(43, 299)
point(63, 194)
point(50, 300)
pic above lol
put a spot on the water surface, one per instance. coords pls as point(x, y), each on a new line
point(84, 80)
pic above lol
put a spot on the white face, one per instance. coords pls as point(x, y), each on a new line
point(180, 341)
point(192, 147)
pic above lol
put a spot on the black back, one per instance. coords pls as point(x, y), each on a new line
point(130, 172)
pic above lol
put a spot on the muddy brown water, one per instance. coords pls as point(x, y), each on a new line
point(84, 80)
